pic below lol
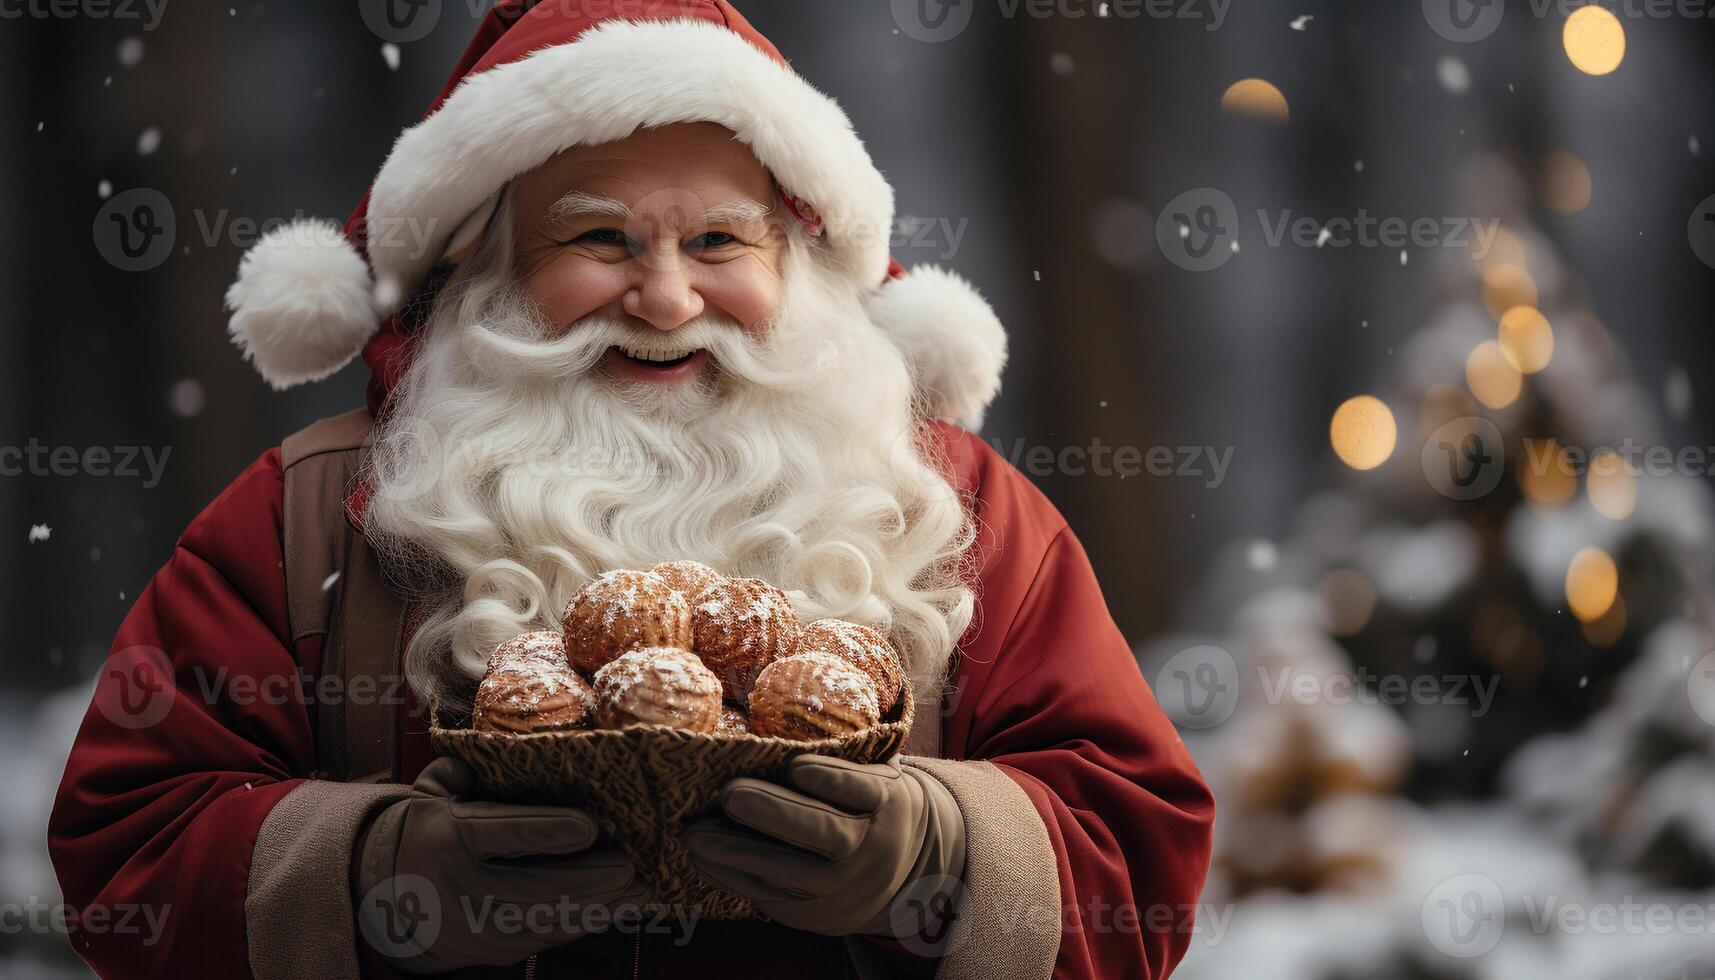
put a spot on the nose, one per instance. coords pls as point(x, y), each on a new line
point(663, 294)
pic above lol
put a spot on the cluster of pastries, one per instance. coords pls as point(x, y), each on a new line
point(684, 646)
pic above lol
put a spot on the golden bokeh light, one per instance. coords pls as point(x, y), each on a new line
point(1348, 601)
point(1363, 432)
point(1592, 584)
point(1545, 473)
point(1595, 40)
point(1491, 377)
point(1566, 184)
point(1526, 339)
point(1258, 99)
point(1506, 286)
point(1607, 630)
point(1612, 486)
point(1506, 248)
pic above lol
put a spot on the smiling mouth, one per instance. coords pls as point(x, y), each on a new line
point(656, 357)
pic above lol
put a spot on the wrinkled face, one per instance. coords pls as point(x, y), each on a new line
point(660, 229)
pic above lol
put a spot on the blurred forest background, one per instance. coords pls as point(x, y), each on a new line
point(1044, 151)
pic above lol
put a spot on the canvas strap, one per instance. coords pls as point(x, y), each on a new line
point(335, 589)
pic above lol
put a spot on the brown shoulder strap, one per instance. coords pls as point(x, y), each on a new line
point(334, 587)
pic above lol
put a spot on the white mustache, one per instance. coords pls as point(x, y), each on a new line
point(513, 343)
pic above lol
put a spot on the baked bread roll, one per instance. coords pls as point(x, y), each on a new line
point(657, 686)
point(622, 611)
point(738, 627)
point(530, 687)
point(863, 648)
point(811, 696)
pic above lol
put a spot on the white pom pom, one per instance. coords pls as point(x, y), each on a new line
point(951, 338)
point(303, 304)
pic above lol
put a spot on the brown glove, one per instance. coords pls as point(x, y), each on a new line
point(836, 851)
point(439, 875)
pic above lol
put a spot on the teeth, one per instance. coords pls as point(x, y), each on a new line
point(657, 354)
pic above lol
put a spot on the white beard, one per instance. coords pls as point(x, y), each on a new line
point(510, 470)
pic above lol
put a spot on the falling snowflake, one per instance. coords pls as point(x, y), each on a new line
point(390, 54)
point(131, 51)
point(1677, 394)
point(149, 141)
point(1322, 237)
point(104, 190)
point(1692, 144)
point(327, 583)
point(387, 291)
point(1262, 555)
point(1403, 258)
point(1301, 21)
point(1061, 63)
point(186, 398)
point(39, 532)
point(1453, 74)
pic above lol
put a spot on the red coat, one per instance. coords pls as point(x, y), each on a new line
point(168, 813)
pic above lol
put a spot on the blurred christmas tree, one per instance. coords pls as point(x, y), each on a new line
point(1474, 682)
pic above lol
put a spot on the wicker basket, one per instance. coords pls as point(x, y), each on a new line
point(643, 783)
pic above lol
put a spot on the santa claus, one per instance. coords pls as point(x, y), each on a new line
point(626, 297)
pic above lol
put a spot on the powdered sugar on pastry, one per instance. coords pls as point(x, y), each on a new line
point(738, 627)
point(657, 686)
point(621, 611)
point(863, 648)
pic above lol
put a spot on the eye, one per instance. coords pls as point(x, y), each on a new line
point(602, 236)
point(714, 239)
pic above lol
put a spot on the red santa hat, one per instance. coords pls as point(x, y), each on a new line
point(540, 77)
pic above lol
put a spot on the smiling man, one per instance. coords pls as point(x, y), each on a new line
point(634, 304)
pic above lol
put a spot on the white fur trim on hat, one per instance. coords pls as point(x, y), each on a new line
point(303, 304)
point(617, 77)
point(951, 338)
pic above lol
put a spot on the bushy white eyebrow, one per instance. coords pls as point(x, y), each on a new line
point(737, 212)
point(578, 204)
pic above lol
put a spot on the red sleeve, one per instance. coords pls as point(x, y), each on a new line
point(197, 728)
point(1047, 689)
